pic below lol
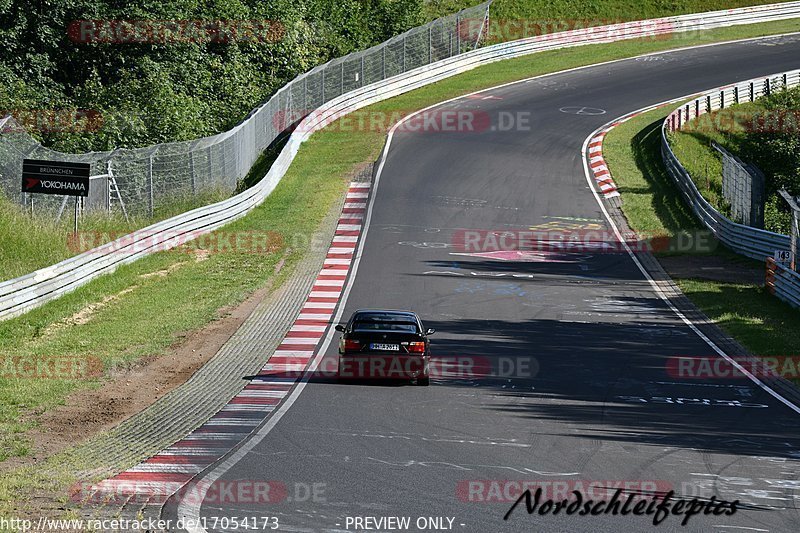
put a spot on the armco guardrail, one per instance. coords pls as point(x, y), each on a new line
point(24, 293)
point(783, 282)
point(752, 242)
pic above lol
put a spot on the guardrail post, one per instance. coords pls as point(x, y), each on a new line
point(323, 84)
point(430, 43)
point(752, 91)
point(769, 279)
point(208, 165)
point(793, 234)
point(150, 183)
point(383, 62)
point(191, 171)
point(767, 88)
point(458, 33)
point(404, 52)
point(736, 94)
point(362, 71)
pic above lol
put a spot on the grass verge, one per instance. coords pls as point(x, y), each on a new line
point(149, 312)
point(652, 203)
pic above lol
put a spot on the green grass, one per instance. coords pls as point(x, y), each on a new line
point(46, 242)
point(650, 200)
point(652, 203)
point(762, 323)
point(157, 310)
point(693, 148)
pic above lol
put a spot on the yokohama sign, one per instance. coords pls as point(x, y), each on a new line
point(55, 177)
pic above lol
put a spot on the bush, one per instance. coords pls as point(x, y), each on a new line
point(150, 93)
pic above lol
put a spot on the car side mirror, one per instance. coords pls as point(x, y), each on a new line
point(430, 331)
point(339, 327)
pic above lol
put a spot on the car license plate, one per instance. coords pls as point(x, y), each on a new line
point(385, 347)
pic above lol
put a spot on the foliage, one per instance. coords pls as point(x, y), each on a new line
point(765, 133)
point(181, 89)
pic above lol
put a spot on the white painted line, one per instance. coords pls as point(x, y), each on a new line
point(248, 407)
point(293, 353)
point(354, 205)
point(167, 468)
point(323, 294)
point(337, 261)
point(320, 329)
point(301, 340)
point(231, 421)
point(330, 282)
point(315, 316)
point(345, 238)
point(357, 195)
point(349, 227)
point(194, 450)
point(116, 485)
point(218, 435)
point(318, 305)
point(266, 393)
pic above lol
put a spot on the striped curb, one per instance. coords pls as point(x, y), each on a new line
point(157, 478)
point(597, 164)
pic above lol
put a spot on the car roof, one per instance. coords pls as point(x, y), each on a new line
point(409, 314)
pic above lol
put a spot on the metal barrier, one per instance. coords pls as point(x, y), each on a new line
point(26, 292)
point(752, 242)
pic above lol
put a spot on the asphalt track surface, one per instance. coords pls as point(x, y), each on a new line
point(584, 338)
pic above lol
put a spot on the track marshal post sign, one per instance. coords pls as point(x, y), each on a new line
point(55, 177)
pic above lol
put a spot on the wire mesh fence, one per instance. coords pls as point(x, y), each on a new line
point(146, 178)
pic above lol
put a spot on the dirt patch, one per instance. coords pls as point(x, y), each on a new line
point(127, 392)
point(712, 268)
point(164, 272)
point(85, 315)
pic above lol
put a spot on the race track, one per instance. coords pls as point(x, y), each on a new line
point(583, 337)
